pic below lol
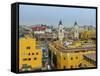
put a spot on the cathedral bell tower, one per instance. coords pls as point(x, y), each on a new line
point(76, 31)
point(60, 31)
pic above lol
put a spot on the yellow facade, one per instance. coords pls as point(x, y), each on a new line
point(88, 34)
point(69, 60)
point(29, 54)
point(74, 60)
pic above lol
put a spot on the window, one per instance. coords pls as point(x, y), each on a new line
point(32, 53)
point(29, 54)
point(76, 51)
point(37, 53)
point(76, 57)
point(29, 58)
point(28, 47)
point(71, 66)
point(71, 58)
point(24, 59)
point(60, 31)
point(35, 58)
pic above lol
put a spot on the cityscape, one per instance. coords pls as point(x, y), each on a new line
point(56, 46)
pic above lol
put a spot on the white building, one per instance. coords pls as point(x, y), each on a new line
point(75, 31)
point(60, 31)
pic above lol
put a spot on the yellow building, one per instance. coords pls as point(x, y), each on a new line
point(88, 34)
point(30, 57)
point(68, 58)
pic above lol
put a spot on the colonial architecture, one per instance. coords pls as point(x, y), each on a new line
point(30, 57)
point(75, 31)
point(60, 32)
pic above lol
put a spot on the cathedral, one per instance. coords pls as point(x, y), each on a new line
point(60, 32)
point(75, 31)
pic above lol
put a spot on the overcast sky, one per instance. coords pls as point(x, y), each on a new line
point(32, 14)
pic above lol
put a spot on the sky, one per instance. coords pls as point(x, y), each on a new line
point(32, 14)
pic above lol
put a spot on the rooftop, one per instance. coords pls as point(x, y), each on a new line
point(61, 48)
point(91, 56)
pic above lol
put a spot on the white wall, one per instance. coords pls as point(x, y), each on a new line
point(5, 42)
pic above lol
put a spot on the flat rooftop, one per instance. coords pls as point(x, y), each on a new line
point(91, 56)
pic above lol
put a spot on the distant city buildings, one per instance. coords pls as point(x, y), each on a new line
point(60, 32)
point(59, 47)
